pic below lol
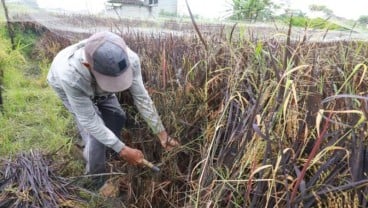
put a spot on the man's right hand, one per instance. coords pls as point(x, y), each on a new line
point(131, 155)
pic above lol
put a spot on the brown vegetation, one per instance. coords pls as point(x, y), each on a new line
point(262, 123)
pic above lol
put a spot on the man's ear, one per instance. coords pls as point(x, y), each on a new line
point(87, 65)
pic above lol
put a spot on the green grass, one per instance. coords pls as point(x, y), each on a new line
point(315, 23)
point(33, 116)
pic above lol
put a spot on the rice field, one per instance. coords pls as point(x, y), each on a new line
point(263, 123)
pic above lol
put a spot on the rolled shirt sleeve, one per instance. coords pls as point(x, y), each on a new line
point(141, 98)
point(72, 83)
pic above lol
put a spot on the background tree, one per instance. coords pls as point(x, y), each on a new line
point(321, 8)
point(363, 20)
point(252, 10)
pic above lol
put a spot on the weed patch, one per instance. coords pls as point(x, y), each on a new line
point(32, 113)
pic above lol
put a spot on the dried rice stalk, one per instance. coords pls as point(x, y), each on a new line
point(29, 180)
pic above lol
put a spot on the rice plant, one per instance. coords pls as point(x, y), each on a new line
point(263, 123)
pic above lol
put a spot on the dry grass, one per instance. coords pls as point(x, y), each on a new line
point(262, 123)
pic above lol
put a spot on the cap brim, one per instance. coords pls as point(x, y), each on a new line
point(114, 84)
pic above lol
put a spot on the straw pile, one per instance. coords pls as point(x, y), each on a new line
point(31, 180)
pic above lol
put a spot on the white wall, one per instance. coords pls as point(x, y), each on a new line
point(133, 12)
point(143, 12)
point(170, 6)
point(206, 8)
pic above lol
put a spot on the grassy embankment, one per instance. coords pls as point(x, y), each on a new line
point(33, 117)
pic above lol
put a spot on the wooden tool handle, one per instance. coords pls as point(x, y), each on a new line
point(150, 165)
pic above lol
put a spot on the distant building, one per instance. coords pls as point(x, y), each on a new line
point(154, 8)
point(143, 8)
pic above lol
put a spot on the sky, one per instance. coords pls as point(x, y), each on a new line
point(351, 9)
point(73, 5)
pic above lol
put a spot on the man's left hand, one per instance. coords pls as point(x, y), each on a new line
point(167, 142)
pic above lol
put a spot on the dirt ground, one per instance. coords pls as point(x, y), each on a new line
point(74, 24)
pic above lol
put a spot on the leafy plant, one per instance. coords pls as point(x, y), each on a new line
point(315, 23)
point(252, 10)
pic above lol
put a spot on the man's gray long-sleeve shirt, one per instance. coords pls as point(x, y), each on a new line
point(73, 82)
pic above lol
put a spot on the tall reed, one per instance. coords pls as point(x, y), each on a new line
point(263, 123)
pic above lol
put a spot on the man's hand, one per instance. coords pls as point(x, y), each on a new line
point(131, 155)
point(167, 142)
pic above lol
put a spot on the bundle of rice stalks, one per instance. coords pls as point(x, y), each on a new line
point(31, 180)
